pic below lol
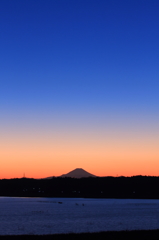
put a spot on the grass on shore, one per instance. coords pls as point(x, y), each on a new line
point(110, 235)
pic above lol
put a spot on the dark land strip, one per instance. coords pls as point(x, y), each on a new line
point(121, 235)
point(139, 187)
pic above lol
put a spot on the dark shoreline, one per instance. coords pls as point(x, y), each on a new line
point(109, 235)
point(137, 187)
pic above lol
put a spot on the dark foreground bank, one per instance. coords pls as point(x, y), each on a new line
point(123, 235)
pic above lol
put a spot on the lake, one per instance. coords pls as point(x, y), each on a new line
point(65, 215)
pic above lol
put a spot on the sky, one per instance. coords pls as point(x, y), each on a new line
point(79, 87)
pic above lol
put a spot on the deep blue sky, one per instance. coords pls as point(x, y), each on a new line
point(79, 86)
point(82, 53)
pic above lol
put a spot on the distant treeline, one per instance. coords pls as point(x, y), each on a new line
point(99, 187)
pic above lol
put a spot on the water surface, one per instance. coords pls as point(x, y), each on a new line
point(65, 215)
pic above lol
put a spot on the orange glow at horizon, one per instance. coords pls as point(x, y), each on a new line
point(103, 154)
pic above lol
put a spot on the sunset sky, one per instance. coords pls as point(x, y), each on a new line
point(79, 87)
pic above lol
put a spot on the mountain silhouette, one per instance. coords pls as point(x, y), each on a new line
point(78, 173)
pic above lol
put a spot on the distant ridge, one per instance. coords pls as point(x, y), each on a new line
point(78, 173)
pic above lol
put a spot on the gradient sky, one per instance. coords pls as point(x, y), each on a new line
point(79, 87)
